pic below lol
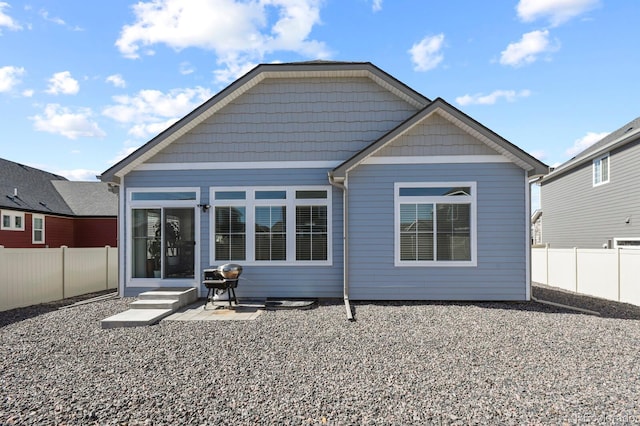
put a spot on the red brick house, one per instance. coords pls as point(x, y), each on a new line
point(39, 209)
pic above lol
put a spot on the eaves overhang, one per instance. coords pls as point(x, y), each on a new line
point(572, 164)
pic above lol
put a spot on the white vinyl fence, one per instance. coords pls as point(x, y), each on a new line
point(612, 274)
point(32, 276)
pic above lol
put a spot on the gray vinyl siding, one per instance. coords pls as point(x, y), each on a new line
point(577, 214)
point(256, 281)
point(500, 273)
point(317, 119)
point(435, 136)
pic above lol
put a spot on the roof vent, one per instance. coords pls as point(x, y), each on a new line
point(15, 192)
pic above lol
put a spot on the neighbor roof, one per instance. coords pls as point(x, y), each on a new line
point(630, 132)
point(88, 198)
point(246, 82)
point(29, 189)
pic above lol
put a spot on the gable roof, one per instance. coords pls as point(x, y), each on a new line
point(33, 190)
point(461, 120)
point(261, 72)
point(628, 133)
point(29, 189)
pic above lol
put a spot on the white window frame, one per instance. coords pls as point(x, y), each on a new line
point(162, 204)
point(34, 229)
point(472, 200)
point(12, 225)
point(597, 170)
point(250, 203)
point(616, 243)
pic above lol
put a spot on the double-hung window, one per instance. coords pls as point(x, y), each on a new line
point(601, 170)
point(37, 229)
point(271, 225)
point(435, 224)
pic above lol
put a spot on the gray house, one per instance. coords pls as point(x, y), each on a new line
point(593, 200)
point(327, 179)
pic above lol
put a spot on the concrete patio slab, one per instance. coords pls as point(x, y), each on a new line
point(218, 311)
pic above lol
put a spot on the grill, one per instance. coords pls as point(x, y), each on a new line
point(223, 278)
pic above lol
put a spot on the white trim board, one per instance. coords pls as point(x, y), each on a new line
point(438, 159)
point(241, 165)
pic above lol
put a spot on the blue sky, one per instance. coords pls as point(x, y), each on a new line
point(84, 83)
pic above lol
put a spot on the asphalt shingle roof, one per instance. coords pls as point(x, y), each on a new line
point(34, 189)
point(29, 189)
point(88, 198)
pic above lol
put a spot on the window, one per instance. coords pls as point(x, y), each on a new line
point(627, 243)
point(435, 224)
point(601, 170)
point(12, 220)
point(271, 225)
point(38, 229)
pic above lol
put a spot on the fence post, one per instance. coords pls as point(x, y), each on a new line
point(546, 272)
point(619, 275)
point(575, 260)
point(64, 272)
point(4, 285)
point(106, 269)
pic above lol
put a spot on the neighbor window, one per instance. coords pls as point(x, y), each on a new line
point(38, 229)
point(12, 220)
point(271, 225)
point(435, 224)
point(601, 170)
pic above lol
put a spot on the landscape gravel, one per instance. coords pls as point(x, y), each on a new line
point(398, 363)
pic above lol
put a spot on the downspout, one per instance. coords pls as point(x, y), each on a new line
point(345, 243)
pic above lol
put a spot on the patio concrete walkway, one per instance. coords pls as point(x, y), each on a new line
point(219, 311)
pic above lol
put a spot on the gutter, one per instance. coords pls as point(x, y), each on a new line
point(345, 242)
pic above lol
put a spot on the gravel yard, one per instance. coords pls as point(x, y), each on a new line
point(399, 363)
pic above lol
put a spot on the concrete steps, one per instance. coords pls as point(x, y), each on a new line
point(151, 307)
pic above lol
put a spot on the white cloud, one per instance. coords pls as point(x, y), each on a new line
point(186, 68)
point(7, 21)
point(539, 154)
point(556, 11)
point(492, 98)
point(239, 32)
point(151, 111)
point(122, 154)
point(585, 142)
point(79, 174)
point(63, 121)
point(28, 93)
point(10, 77)
point(116, 80)
point(58, 21)
point(377, 5)
point(63, 83)
point(55, 20)
point(527, 50)
point(426, 54)
point(145, 130)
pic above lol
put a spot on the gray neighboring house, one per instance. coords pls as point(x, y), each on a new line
point(324, 180)
point(593, 200)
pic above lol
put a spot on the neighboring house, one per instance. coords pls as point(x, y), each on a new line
point(593, 200)
point(40, 209)
point(327, 179)
point(536, 227)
